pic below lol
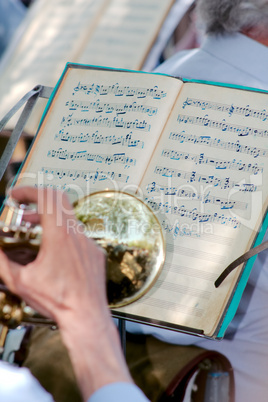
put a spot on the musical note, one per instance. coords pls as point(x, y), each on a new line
point(218, 143)
point(245, 111)
point(215, 181)
point(217, 163)
point(85, 175)
point(241, 131)
point(96, 138)
point(193, 214)
point(223, 203)
point(105, 122)
point(118, 108)
point(117, 90)
point(178, 230)
point(99, 158)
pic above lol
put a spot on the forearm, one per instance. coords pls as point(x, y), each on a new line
point(96, 354)
point(69, 287)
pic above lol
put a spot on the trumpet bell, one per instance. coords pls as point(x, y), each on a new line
point(131, 235)
point(122, 224)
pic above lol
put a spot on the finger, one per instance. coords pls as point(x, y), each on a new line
point(23, 285)
point(8, 270)
point(21, 206)
point(55, 211)
point(50, 204)
point(25, 194)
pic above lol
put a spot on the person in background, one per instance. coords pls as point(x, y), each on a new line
point(234, 44)
point(12, 13)
point(27, 3)
point(66, 282)
point(233, 51)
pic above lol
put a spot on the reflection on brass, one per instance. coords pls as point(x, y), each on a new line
point(131, 235)
point(11, 309)
point(20, 244)
point(128, 269)
point(120, 223)
point(14, 311)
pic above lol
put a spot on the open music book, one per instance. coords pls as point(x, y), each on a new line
point(196, 152)
point(114, 33)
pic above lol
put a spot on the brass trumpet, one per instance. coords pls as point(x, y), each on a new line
point(122, 224)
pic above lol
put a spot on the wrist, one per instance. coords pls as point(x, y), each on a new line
point(95, 352)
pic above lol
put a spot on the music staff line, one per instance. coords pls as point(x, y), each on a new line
point(118, 108)
point(105, 122)
point(217, 163)
point(245, 111)
point(193, 214)
point(96, 138)
point(194, 231)
point(241, 131)
point(224, 203)
point(171, 306)
point(195, 253)
point(192, 272)
point(117, 90)
point(218, 143)
point(86, 175)
point(178, 288)
point(90, 157)
point(223, 183)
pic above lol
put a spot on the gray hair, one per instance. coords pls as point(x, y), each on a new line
point(220, 16)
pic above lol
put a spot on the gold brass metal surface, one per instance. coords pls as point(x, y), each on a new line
point(122, 224)
point(131, 235)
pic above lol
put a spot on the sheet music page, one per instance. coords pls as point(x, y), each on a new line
point(53, 33)
point(113, 33)
point(207, 182)
point(100, 131)
point(126, 33)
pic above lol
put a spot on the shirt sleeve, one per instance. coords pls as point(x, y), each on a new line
point(18, 385)
point(118, 392)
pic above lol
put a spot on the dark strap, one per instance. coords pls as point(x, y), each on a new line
point(163, 370)
point(179, 383)
point(240, 260)
point(21, 353)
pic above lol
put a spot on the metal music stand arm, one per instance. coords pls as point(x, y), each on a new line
point(122, 333)
point(30, 98)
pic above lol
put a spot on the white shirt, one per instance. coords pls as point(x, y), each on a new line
point(232, 59)
point(238, 60)
point(18, 385)
point(119, 392)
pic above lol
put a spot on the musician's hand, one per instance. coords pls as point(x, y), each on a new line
point(66, 282)
point(68, 267)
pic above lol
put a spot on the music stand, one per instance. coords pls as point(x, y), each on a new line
point(29, 100)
